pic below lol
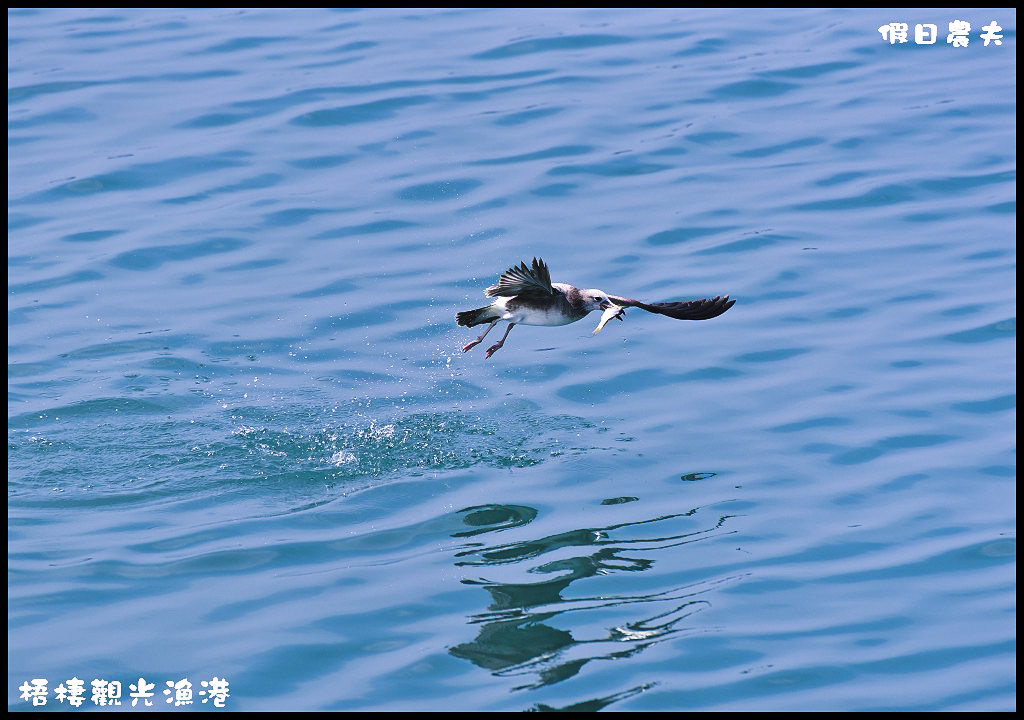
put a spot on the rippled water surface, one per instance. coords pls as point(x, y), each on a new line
point(244, 443)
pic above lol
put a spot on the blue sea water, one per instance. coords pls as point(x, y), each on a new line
point(244, 443)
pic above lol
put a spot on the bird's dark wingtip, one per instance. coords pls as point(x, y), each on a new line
point(694, 310)
point(716, 307)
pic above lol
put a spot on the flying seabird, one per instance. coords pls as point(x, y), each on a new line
point(526, 296)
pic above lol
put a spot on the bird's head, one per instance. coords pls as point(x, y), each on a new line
point(594, 299)
point(599, 300)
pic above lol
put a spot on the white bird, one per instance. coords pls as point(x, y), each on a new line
point(526, 296)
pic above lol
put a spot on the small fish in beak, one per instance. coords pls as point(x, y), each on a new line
point(611, 311)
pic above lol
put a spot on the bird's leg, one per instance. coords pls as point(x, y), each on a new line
point(480, 339)
point(494, 348)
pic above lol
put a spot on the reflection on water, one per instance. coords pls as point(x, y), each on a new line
point(520, 633)
point(596, 703)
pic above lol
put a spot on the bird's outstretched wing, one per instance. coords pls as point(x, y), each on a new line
point(523, 280)
point(693, 310)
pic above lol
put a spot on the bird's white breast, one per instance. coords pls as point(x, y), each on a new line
point(532, 316)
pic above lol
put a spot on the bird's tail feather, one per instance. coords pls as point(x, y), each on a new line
point(469, 318)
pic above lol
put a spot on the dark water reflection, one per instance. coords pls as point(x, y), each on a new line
point(519, 631)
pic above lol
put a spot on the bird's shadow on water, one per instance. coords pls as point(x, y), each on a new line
point(521, 631)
